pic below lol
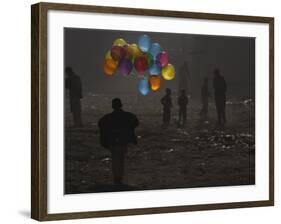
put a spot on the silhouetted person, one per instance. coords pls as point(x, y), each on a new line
point(205, 94)
point(73, 84)
point(117, 130)
point(182, 102)
point(166, 101)
point(220, 88)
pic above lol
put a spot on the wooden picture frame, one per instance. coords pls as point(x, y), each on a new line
point(39, 108)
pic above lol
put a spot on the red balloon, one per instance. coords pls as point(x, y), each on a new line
point(129, 53)
point(141, 64)
point(117, 52)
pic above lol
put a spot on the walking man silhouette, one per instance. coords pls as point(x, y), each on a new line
point(117, 130)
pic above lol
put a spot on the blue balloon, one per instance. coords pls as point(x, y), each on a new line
point(155, 49)
point(154, 69)
point(144, 43)
point(144, 86)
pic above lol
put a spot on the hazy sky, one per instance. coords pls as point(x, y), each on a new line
point(84, 51)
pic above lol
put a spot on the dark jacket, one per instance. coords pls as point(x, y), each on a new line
point(166, 101)
point(118, 128)
point(73, 83)
point(182, 101)
point(219, 85)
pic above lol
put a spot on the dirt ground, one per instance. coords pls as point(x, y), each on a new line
point(198, 155)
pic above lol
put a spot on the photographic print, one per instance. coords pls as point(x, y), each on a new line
point(141, 111)
point(153, 111)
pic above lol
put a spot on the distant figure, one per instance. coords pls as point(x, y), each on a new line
point(220, 88)
point(205, 94)
point(182, 102)
point(117, 130)
point(73, 84)
point(166, 101)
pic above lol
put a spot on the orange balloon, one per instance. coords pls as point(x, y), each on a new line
point(109, 66)
point(155, 82)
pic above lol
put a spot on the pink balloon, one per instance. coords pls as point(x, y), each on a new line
point(162, 59)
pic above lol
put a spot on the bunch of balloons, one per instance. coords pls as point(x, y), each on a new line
point(144, 57)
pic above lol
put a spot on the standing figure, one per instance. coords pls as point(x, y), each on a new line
point(166, 101)
point(73, 84)
point(182, 102)
point(220, 88)
point(205, 99)
point(117, 130)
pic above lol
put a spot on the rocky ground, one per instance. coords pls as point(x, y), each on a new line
point(198, 155)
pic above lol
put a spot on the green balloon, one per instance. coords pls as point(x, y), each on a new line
point(149, 59)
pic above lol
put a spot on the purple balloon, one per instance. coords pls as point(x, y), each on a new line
point(162, 59)
point(125, 67)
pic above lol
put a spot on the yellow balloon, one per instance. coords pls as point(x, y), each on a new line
point(135, 49)
point(168, 72)
point(120, 42)
point(108, 55)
